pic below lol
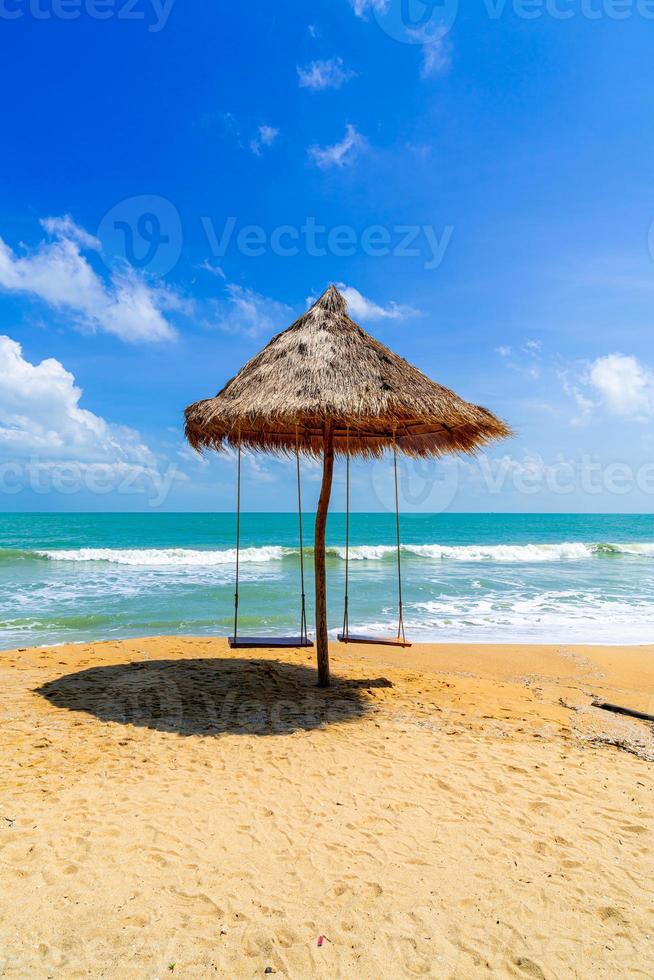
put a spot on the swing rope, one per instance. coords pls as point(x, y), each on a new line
point(238, 531)
point(304, 639)
point(303, 612)
point(346, 619)
point(400, 625)
point(345, 635)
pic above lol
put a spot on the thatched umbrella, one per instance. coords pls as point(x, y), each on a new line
point(326, 385)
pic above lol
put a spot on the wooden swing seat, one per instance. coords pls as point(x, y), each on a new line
point(236, 641)
point(263, 642)
point(384, 641)
point(345, 636)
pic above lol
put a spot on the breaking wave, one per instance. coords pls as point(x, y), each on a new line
point(160, 557)
point(504, 553)
point(204, 558)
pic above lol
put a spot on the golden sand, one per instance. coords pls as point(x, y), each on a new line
point(170, 808)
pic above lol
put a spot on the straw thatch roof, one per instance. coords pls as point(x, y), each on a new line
point(325, 368)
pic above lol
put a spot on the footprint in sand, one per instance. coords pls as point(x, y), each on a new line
point(529, 968)
point(286, 938)
point(608, 914)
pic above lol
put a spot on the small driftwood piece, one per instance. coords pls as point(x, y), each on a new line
point(619, 710)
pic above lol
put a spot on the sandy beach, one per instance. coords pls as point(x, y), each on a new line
point(170, 808)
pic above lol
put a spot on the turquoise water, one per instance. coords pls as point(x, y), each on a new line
point(475, 577)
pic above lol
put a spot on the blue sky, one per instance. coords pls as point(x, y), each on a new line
point(177, 180)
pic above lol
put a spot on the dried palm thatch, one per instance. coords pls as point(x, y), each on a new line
point(325, 386)
point(324, 369)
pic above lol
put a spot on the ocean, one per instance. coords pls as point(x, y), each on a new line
point(467, 577)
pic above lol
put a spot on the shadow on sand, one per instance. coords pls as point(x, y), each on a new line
point(211, 697)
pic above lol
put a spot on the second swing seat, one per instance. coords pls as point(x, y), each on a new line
point(386, 641)
point(261, 642)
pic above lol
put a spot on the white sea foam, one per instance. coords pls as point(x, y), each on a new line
point(564, 551)
point(554, 616)
point(503, 553)
point(550, 617)
point(364, 552)
point(640, 549)
point(166, 556)
point(500, 553)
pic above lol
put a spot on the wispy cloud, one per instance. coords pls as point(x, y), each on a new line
point(319, 75)
point(432, 36)
point(66, 227)
point(523, 359)
point(266, 137)
point(363, 7)
point(57, 273)
point(342, 154)
point(215, 270)
point(246, 311)
point(435, 49)
point(364, 309)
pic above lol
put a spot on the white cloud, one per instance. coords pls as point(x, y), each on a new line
point(435, 50)
point(524, 359)
point(65, 227)
point(585, 405)
point(362, 308)
point(341, 154)
point(40, 416)
point(624, 385)
point(215, 270)
point(267, 136)
point(433, 40)
point(249, 312)
point(324, 74)
point(362, 7)
point(57, 273)
point(618, 383)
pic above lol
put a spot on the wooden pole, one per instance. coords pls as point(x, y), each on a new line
point(319, 555)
